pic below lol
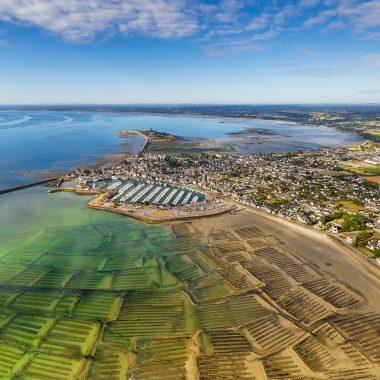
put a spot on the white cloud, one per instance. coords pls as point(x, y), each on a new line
point(228, 10)
point(371, 60)
point(308, 3)
point(319, 19)
point(363, 15)
point(259, 22)
point(226, 49)
point(248, 24)
point(227, 24)
point(359, 16)
point(308, 52)
point(79, 20)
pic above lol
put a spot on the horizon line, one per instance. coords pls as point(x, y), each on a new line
point(187, 104)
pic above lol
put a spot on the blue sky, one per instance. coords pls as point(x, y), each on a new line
point(186, 51)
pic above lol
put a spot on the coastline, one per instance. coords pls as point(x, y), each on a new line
point(324, 252)
point(318, 234)
point(114, 158)
point(126, 133)
point(190, 116)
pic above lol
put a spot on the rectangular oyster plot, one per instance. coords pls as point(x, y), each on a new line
point(187, 303)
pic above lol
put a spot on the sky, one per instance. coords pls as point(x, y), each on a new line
point(188, 51)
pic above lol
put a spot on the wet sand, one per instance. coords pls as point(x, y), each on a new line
point(316, 247)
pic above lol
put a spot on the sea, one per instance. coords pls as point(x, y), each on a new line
point(32, 142)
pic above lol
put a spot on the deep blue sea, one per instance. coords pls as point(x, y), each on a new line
point(33, 141)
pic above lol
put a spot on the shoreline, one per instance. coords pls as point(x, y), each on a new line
point(130, 132)
point(114, 159)
point(120, 157)
point(321, 250)
point(318, 234)
point(195, 116)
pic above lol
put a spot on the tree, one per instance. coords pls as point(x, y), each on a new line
point(353, 222)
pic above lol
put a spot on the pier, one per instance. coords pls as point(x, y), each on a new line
point(28, 185)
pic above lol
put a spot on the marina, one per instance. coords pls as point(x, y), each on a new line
point(134, 192)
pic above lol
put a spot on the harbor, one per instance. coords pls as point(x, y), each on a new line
point(136, 192)
point(147, 201)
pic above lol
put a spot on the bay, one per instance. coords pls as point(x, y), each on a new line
point(32, 141)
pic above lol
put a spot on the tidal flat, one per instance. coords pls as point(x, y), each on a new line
point(88, 295)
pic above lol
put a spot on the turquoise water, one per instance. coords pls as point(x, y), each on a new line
point(59, 141)
point(35, 209)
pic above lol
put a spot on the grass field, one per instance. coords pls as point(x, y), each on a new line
point(373, 171)
point(351, 206)
point(364, 170)
point(374, 179)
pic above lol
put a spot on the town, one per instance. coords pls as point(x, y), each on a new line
point(323, 189)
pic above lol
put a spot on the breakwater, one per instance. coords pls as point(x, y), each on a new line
point(26, 186)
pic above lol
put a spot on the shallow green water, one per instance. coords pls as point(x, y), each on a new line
point(88, 295)
point(67, 272)
point(35, 209)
